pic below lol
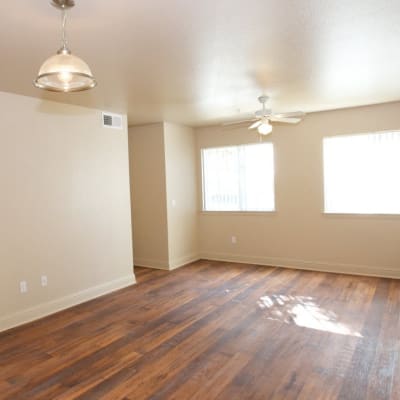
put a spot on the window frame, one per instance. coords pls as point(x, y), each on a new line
point(236, 212)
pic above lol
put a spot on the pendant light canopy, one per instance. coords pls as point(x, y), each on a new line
point(64, 72)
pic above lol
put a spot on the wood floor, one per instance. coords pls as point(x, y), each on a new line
point(215, 331)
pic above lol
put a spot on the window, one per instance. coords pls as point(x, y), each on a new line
point(362, 173)
point(238, 178)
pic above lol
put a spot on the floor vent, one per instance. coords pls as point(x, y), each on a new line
point(112, 120)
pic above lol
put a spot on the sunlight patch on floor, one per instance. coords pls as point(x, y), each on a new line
point(304, 312)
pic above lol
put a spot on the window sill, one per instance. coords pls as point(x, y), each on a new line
point(239, 213)
point(360, 215)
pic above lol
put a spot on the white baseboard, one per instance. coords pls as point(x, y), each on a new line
point(53, 306)
point(151, 263)
point(350, 269)
point(165, 265)
point(181, 261)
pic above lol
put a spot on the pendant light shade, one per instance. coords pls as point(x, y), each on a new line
point(64, 72)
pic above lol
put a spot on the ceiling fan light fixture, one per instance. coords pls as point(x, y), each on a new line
point(64, 72)
point(265, 128)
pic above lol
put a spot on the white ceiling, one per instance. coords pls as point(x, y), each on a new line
point(199, 62)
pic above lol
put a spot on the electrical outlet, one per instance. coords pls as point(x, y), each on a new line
point(43, 280)
point(23, 286)
point(234, 240)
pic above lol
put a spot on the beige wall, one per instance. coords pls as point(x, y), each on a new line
point(182, 207)
point(65, 207)
point(164, 195)
point(298, 234)
point(148, 193)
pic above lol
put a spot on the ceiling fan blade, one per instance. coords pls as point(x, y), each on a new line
point(255, 125)
point(238, 122)
point(294, 114)
point(285, 120)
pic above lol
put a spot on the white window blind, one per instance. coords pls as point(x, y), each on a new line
point(238, 178)
point(362, 173)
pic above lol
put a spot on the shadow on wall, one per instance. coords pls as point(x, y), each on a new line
point(54, 103)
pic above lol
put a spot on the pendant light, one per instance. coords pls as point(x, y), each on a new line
point(64, 72)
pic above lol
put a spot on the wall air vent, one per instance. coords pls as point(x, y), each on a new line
point(112, 120)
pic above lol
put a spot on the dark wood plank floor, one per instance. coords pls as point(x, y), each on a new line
point(215, 331)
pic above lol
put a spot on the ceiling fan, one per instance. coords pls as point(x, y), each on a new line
point(264, 116)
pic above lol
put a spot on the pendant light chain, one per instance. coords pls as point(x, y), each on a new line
point(64, 39)
point(64, 23)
